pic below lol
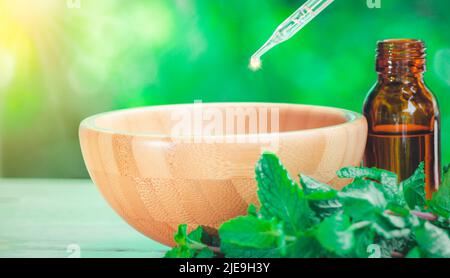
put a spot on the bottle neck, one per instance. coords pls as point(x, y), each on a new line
point(404, 77)
point(401, 60)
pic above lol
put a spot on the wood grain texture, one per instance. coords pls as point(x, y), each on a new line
point(156, 181)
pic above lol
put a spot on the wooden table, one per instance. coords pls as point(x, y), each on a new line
point(65, 218)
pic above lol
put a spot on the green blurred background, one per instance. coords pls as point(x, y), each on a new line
point(60, 63)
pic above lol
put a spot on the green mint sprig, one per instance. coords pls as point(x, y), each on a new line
point(310, 219)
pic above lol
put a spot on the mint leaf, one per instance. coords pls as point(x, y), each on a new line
point(356, 185)
point(300, 247)
point(249, 231)
point(414, 188)
point(252, 237)
point(252, 210)
point(322, 198)
point(387, 181)
point(414, 254)
point(307, 246)
point(440, 202)
point(394, 234)
point(399, 210)
point(442, 222)
point(433, 241)
point(390, 226)
point(335, 235)
point(372, 216)
point(363, 237)
point(392, 194)
point(179, 252)
point(362, 199)
point(311, 185)
point(210, 237)
point(280, 196)
point(395, 247)
point(189, 246)
point(181, 236)
point(205, 253)
point(238, 251)
point(382, 176)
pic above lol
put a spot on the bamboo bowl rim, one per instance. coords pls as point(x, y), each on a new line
point(348, 116)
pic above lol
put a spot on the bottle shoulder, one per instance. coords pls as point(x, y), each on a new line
point(401, 103)
point(399, 95)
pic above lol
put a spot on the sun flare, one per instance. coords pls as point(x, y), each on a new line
point(31, 13)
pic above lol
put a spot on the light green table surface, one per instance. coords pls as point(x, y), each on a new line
point(65, 218)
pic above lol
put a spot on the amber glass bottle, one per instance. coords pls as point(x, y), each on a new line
point(403, 114)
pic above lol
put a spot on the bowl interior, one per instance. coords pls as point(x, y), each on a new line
point(161, 120)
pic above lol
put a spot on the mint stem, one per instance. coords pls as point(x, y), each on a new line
point(214, 249)
point(422, 215)
point(199, 246)
point(425, 215)
point(396, 254)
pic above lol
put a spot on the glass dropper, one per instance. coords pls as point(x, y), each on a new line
point(290, 27)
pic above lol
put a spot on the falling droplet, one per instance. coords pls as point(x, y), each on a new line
point(255, 63)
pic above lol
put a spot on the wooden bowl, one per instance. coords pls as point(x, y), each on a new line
point(157, 177)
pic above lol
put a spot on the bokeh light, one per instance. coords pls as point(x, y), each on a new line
point(442, 65)
point(7, 64)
